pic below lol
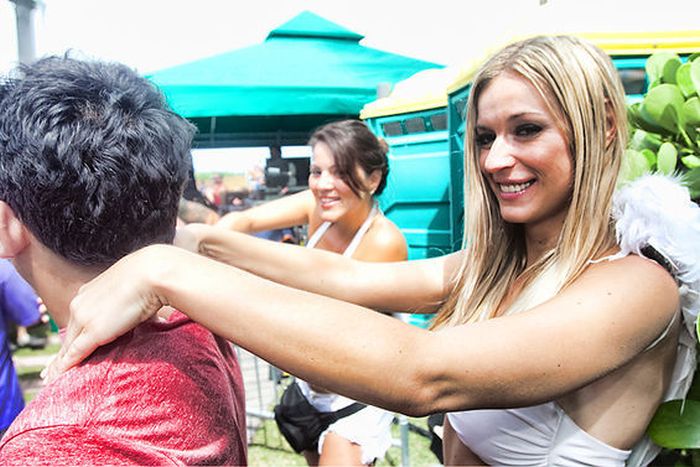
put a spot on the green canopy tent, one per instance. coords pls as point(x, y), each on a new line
point(307, 72)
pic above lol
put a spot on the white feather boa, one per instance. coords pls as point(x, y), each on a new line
point(656, 210)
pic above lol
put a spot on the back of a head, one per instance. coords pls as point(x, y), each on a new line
point(91, 159)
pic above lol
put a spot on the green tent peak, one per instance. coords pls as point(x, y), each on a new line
point(307, 24)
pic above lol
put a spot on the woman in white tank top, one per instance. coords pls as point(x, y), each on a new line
point(348, 168)
point(556, 339)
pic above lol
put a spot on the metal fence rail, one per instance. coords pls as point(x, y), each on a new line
point(262, 383)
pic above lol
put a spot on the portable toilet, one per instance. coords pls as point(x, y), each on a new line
point(413, 122)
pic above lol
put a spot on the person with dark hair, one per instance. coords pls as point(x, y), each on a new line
point(348, 168)
point(92, 166)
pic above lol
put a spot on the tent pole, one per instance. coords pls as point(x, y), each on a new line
point(26, 46)
point(212, 130)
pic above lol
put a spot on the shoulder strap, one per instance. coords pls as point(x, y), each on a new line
point(356, 239)
point(355, 242)
point(316, 236)
point(345, 411)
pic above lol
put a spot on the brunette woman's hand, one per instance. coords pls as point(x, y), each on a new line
point(112, 304)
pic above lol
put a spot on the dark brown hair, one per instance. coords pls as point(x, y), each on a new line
point(353, 144)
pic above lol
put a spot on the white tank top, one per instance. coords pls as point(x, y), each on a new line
point(356, 239)
point(539, 435)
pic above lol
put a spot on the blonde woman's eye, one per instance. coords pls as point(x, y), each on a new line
point(528, 129)
point(484, 140)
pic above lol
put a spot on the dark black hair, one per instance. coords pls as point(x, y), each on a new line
point(92, 161)
point(353, 144)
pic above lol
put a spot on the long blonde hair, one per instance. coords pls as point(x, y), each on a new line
point(583, 92)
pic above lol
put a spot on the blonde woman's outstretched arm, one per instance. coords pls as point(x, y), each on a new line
point(596, 326)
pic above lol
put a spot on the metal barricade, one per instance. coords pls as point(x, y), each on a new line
point(263, 388)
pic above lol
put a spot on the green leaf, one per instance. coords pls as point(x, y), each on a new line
point(667, 158)
point(634, 165)
point(684, 81)
point(675, 429)
point(651, 157)
point(656, 82)
point(692, 161)
point(693, 56)
point(694, 391)
point(662, 106)
point(691, 111)
point(644, 140)
point(692, 180)
point(656, 64)
point(695, 74)
point(670, 68)
point(635, 119)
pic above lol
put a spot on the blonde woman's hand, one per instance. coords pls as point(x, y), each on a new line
point(110, 305)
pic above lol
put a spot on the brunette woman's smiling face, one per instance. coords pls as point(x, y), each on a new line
point(523, 153)
point(334, 196)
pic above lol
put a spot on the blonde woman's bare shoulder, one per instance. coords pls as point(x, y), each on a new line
point(633, 265)
point(640, 278)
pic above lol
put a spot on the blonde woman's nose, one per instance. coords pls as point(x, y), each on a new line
point(498, 156)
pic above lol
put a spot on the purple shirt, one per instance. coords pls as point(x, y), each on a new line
point(17, 304)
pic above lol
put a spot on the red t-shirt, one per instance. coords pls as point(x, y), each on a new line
point(165, 393)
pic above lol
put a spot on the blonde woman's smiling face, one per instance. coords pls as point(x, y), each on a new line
point(523, 153)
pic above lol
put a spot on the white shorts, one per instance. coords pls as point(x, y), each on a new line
point(370, 428)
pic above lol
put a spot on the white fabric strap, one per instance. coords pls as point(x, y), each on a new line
point(356, 239)
point(313, 240)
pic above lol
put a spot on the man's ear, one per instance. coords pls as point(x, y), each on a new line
point(14, 236)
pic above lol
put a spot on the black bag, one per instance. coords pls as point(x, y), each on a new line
point(301, 423)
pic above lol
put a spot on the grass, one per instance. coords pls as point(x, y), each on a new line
point(50, 349)
point(268, 447)
point(28, 374)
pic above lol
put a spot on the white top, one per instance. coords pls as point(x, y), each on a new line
point(654, 210)
point(356, 239)
point(540, 435)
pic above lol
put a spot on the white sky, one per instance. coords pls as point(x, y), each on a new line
point(152, 34)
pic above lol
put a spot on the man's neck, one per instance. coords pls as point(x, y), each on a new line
point(55, 279)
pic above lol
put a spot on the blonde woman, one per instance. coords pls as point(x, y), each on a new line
point(554, 344)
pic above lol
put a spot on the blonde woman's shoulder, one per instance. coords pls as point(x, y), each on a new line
point(641, 276)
